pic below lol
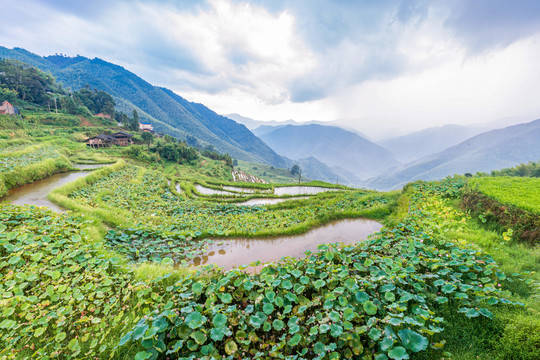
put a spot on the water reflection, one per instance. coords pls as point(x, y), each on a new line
point(266, 201)
point(207, 191)
point(36, 192)
point(300, 190)
point(243, 251)
point(246, 190)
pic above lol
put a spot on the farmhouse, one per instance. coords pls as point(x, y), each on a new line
point(146, 127)
point(7, 109)
point(120, 138)
point(99, 141)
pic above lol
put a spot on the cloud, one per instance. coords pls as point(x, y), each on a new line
point(305, 59)
point(484, 24)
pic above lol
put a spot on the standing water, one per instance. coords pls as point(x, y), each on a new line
point(243, 251)
point(36, 192)
point(300, 190)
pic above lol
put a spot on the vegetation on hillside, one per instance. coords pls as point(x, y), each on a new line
point(109, 280)
point(508, 204)
point(170, 113)
point(520, 192)
point(531, 169)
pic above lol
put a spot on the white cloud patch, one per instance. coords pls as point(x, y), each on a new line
point(460, 90)
point(242, 47)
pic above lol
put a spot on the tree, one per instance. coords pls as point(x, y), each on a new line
point(135, 120)
point(295, 169)
point(169, 139)
point(147, 137)
point(192, 141)
point(9, 95)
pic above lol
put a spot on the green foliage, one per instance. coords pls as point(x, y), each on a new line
point(532, 169)
point(131, 123)
point(377, 297)
point(22, 164)
point(58, 295)
point(520, 192)
point(95, 101)
point(9, 95)
point(27, 83)
point(176, 152)
point(147, 137)
point(31, 155)
point(145, 199)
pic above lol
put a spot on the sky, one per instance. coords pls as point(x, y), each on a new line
point(384, 66)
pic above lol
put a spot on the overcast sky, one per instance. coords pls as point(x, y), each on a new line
point(396, 65)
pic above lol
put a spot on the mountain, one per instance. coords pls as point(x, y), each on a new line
point(429, 141)
point(488, 151)
point(168, 112)
point(258, 124)
point(336, 147)
point(316, 170)
point(253, 124)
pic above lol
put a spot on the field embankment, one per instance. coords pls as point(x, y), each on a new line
point(508, 204)
point(20, 165)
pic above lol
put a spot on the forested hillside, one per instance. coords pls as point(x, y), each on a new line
point(167, 111)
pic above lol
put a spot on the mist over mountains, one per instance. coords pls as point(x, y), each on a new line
point(429, 141)
point(324, 151)
point(487, 151)
point(336, 147)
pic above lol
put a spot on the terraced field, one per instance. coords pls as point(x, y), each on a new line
point(73, 288)
point(163, 223)
point(17, 157)
point(521, 192)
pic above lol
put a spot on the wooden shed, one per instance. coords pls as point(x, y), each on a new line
point(100, 141)
point(122, 138)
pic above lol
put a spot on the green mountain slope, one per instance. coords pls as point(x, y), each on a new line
point(488, 151)
point(167, 111)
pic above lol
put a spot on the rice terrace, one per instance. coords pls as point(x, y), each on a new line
point(135, 224)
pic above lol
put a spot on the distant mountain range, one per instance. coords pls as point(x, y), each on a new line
point(165, 110)
point(429, 141)
point(346, 153)
point(253, 124)
point(488, 151)
point(314, 169)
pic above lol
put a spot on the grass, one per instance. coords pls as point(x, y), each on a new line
point(268, 173)
point(518, 191)
point(515, 332)
point(31, 173)
point(205, 170)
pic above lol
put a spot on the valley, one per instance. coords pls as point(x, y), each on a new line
point(152, 245)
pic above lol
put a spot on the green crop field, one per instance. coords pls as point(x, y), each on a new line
point(110, 279)
point(517, 191)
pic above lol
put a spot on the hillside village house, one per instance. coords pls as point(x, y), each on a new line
point(146, 127)
point(7, 109)
point(120, 139)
